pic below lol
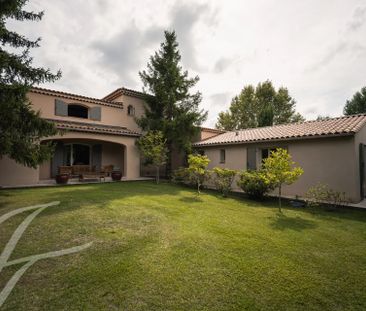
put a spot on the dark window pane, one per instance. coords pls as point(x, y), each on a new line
point(251, 159)
point(222, 156)
point(81, 154)
point(77, 111)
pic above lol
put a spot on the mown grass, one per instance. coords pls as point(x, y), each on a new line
point(164, 248)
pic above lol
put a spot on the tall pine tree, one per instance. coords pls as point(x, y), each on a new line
point(21, 128)
point(170, 107)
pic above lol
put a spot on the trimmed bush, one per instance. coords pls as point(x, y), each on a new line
point(254, 183)
point(223, 179)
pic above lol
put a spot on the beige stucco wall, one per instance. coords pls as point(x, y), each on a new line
point(138, 104)
point(14, 174)
point(326, 160)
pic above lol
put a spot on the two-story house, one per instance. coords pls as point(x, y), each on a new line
point(97, 132)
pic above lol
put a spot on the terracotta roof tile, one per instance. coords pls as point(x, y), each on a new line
point(76, 97)
point(347, 125)
point(124, 91)
point(93, 128)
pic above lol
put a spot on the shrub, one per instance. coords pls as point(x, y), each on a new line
point(322, 194)
point(181, 176)
point(223, 179)
point(254, 183)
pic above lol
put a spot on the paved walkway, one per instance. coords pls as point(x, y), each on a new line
point(361, 204)
point(74, 181)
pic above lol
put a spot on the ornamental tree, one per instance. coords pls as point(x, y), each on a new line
point(153, 148)
point(197, 168)
point(21, 128)
point(280, 170)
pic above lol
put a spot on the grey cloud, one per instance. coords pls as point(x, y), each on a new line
point(359, 17)
point(222, 64)
point(185, 17)
point(124, 54)
point(220, 99)
point(330, 55)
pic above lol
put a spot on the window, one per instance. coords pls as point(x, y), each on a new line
point(130, 110)
point(222, 155)
point(77, 154)
point(251, 159)
point(266, 152)
point(77, 111)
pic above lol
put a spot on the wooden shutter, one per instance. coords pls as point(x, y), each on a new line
point(251, 159)
point(60, 108)
point(95, 113)
point(58, 158)
point(97, 156)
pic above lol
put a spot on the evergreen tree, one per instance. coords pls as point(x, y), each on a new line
point(170, 107)
point(357, 104)
point(260, 106)
point(21, 128)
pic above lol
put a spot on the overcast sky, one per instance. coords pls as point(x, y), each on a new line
point(317, 49)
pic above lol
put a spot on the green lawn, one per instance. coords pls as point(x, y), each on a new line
point(164, 248)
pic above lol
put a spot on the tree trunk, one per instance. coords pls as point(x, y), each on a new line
point(279, 198)
point(168, 164)
point(198, 188)
point(157, 174)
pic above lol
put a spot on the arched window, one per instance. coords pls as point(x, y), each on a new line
point(130, 110)
point(78, 111)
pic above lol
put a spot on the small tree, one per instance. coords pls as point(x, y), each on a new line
point(197, 167)
point(223, 179)
point(153, 148)
point(279, 170)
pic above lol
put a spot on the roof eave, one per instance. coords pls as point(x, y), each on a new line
point(197, 145)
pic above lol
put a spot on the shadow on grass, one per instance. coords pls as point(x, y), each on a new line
point(191, 199)
point(283, 222)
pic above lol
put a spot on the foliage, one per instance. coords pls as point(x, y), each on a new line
point(260, 106)
point(181, 176)
point(153, 148)
point(197, 168)
point(321, 194)
point(254, 183)
point(279, 170)
point(223, 179)
point(21, 127)
point(172, 109)
point(357, 104)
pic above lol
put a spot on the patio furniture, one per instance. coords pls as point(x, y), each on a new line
point(107, 169)
point(92, 175)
